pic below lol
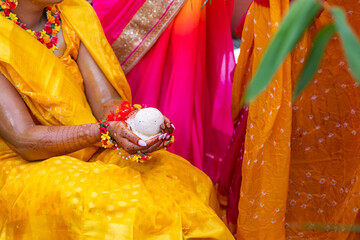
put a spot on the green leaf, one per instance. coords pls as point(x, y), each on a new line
point(300, 15)
point(314, 58)
point(330, 227)
point(349, 41)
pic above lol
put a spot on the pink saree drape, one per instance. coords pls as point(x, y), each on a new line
point(113, 15)
point(186, 73)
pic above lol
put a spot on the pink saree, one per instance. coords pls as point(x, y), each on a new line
point(178, 58)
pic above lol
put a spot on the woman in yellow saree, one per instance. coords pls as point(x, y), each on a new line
point(54, 182)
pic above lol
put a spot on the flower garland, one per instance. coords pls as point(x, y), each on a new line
point(47, 36)
point(106, 140)
point(121, 114)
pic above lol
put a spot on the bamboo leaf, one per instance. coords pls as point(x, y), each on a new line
point(300, 15)
point(330, 227)
point(314, 58)
point(349, 41)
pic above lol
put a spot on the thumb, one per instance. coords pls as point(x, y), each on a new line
point(132, 137)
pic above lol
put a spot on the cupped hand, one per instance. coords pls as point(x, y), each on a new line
point(167, 127)
point(130, 142)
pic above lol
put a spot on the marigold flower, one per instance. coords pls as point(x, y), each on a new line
point(30, 31)
point(48, 14)
point(47, 38)
point(43, 33)
point(137, 106)
point(13, 16)
point(51, 19)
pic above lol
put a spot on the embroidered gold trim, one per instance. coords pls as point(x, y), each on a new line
point(143, 30)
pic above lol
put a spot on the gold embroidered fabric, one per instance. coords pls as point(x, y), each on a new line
point(143, 30)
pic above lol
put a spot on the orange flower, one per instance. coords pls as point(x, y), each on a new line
point(46, 39)
point(51, 19)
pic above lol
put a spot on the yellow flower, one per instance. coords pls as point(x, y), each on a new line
point(54, 48)
point(56, 29)
point(48, 14)
point(136, 158)
point(46, 39)
point(137, 106)
point(105, 136)
point(13, 17)
point(43, 33)
point(31, 32)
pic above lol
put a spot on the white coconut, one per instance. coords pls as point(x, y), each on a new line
point(146, 123)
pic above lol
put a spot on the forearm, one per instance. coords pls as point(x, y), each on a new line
point(41, 142)
point(110, 105)
point(101, 95)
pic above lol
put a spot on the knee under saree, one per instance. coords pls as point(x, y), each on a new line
point(301, 161)
point(90, 194)
point(178, 58)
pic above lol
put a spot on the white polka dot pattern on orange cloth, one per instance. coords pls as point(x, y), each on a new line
point(301, 161)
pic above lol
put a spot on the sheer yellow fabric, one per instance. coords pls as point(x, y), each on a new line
point(108, 197)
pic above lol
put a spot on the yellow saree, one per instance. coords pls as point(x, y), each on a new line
point(90, 195)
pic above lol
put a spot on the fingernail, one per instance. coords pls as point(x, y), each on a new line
point(141, 143)
point(165, 135)
point(173, 126)
point(166, 143)
point(168, 125)
point(160, 137)
point(162, 126)
point(168, 137)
